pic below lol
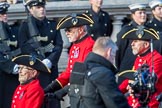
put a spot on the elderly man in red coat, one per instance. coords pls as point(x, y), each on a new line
point(29, 94)
point(75, 28)
point(141, 47)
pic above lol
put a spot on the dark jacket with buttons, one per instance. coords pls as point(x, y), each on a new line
point(157, 26)
point(8, 81)
point(102, 24)
point(124, 56)
point(46, 29)
point(100, 89)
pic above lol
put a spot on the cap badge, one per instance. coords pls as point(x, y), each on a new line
point(140, 31)
point(31, 63)
point(74, 19)
point(32, 59)
point(139, 36)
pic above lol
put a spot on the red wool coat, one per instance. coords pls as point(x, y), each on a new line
point(30, 95)
point(78, 52)
point(157, 61)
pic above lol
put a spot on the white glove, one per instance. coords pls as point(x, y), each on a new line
point(47, 62)
point(15, 69)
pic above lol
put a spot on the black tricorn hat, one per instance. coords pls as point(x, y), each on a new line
point(74, 20)
point(127, 74)
point(4, 7)
point(31, 3)
point(31, 61)
point(141, 33)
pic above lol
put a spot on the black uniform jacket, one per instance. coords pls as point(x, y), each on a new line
point(100, 89)
point(124, 56)
point(46, 28)
point(102, 24)
point(8, 81)
point(157, 26)
point(6, 65)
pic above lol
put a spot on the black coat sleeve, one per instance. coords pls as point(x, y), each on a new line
point(108, 89)
point(58, 43)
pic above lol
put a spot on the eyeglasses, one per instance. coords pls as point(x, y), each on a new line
point(68, 30)
point(24, 67)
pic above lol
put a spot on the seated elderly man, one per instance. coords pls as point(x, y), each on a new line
point(145, 86)
point(29, 94)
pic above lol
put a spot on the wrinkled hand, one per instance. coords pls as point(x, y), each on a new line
point(15, 69)
point(48, 63)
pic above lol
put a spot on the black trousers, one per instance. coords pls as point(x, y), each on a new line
point(45, 79)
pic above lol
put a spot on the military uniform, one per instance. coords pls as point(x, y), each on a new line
point(29, 94)
point(40, 37)
point(101, 26)
point(47, 30)
point(8, 49)
point(124, 55)
point(140, 60)
point(145, 58)
point(78, 51)
point(156, 24)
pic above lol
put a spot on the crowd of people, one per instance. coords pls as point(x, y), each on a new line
point(100, 73)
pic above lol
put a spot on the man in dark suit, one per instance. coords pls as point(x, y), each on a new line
point(8, 50)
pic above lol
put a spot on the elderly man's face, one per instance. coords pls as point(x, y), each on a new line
point(139, 46)
point(73, 34)
point(26, 73)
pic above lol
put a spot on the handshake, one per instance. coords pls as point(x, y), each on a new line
point(55, 90)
